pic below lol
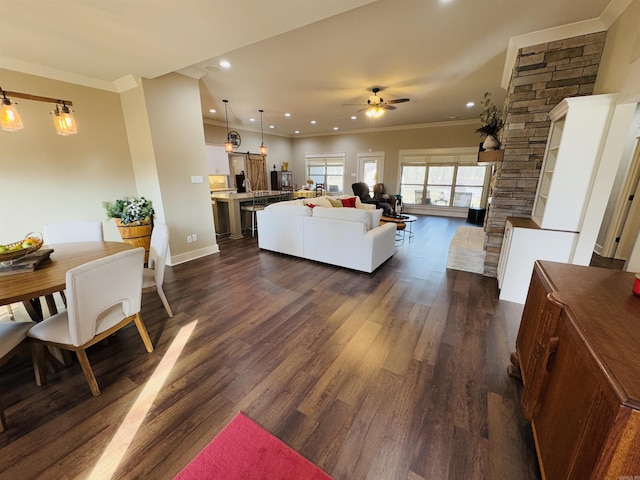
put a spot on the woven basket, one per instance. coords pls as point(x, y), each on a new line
point(7, 258)
point(137, 234)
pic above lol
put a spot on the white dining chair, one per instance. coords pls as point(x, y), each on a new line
point(103, 296)
point(76, 231)
point(12, 334)
point(70, 232)
point(153, 275)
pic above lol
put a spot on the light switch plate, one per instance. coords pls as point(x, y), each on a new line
point(196, 179)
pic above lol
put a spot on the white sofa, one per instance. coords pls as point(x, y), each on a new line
point(346, 237)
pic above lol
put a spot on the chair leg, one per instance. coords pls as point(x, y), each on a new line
point(37, 357)
point(3, 420)
point(142, 330)
point(163, 297)
point(88, 372)
point(10, 310)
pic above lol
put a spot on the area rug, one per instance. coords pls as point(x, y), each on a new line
point(243, 450)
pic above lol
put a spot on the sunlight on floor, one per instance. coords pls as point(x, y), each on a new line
point(117, 448)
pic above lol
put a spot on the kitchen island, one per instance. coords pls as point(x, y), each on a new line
point(226, 211)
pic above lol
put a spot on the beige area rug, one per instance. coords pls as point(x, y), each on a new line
point(466, 251)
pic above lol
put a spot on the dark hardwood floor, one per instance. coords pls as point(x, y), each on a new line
point(400, 374)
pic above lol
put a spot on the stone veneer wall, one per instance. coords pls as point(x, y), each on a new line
point(543, 76)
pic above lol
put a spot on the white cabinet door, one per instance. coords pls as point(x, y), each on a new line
point(217, 160)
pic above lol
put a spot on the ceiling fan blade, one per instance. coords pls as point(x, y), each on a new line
point(398, 100)
point(386, 106)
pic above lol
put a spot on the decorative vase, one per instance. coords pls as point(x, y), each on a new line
point(137, 234)
point(491, 143)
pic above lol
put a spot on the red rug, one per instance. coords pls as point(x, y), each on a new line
point(243, 450)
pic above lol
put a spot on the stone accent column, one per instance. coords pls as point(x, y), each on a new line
point(543, 76)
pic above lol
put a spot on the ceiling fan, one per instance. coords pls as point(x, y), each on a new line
point(376, 106)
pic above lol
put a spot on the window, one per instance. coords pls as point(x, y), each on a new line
point(443, 181)
point(328, 170)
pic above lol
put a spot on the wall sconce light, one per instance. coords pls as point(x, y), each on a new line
point(263, 147)
point(63, 118)
point(228, 145)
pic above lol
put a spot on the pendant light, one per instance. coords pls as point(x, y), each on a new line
point(63, 120)
point(228, 146)
point(11, 120)
point(263, 147)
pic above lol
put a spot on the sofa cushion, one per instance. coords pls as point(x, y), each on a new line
point(349, 202)
point(335, 202)
point(344, 214)
point(288, 208)
point(318, 202)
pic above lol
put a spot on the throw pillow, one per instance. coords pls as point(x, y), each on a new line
point(349, 202)
point(335, 202)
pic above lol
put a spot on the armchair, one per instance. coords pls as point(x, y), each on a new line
point(361, 190)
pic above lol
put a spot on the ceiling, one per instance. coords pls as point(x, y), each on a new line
point(314, 59)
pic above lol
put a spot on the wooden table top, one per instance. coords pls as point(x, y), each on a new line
point(50, 276)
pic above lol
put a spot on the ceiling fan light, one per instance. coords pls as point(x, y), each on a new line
point(375, 112)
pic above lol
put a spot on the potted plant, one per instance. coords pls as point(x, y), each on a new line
point(492, 123)
point(134, 219)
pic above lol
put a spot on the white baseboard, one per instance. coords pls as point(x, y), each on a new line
point(193, 254)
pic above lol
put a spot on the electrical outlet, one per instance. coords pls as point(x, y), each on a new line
point(189, 239)
point(194, 237)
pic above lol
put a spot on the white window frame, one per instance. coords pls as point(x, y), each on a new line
point(318, 158)
point(460, 156)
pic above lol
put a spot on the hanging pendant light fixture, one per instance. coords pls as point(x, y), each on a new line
point(11, 120)
point(263, 147)
point(63, 120)
point(62, 117)
point(228, 146)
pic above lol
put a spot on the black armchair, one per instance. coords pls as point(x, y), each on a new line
point(361, 190)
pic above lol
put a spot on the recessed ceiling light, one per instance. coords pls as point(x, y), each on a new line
point(224, 64)
point(213, 110)
point(287, 114)
point(252, 119)
point(452, 117)
point(313, 122)
point(297, 131)
point(272, 126)
point(470, 104)
point(335, 128)
point(353, 117)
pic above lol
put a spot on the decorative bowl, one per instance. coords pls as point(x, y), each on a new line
point(7, 258)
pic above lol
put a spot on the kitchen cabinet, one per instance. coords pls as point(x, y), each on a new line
point(578, 356)
point(217, 160)
point(281, 179)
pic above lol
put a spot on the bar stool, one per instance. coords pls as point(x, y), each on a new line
point(259, 202)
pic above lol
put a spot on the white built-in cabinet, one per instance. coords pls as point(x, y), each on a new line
point(573, 190)
point(574, 145)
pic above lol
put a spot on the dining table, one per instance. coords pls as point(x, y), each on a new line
point(50, 275)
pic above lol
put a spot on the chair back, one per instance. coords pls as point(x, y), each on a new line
point(158, 251)
point(103, 292)
point(260, 200)
point(319, 189)
point(361, 190)
point(77, 231)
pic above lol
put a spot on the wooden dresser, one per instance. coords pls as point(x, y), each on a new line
point(578, 349)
